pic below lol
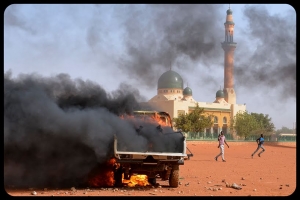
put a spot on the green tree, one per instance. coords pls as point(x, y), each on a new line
point(244, 124)
point(196, 121)
point(284, 130)
point(265, 124)
point(183, 123)
point(251, 124)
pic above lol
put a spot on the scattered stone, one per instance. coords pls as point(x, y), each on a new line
point(219, 188)
point(243, 178)
point(223, 180)
point(235, 186)
point(254, 190)
point(34, 193)
point(287, 185)
point(208, 182)
point(280, 188)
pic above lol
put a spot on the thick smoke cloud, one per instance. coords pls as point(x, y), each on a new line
point(163, 36)
point(178, 36)
point(57, 129)
point(144, 41)
point(272, 64)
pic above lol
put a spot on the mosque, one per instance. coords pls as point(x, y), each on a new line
point(173, 98)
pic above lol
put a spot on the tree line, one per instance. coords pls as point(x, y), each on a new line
point(245, 124)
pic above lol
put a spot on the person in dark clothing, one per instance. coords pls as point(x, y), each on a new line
point(260, 143)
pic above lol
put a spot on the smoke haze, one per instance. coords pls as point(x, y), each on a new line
point(53, 123)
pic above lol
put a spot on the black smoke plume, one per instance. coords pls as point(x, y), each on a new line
point(57, 129)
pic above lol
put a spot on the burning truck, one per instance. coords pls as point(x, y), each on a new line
point(160, 158)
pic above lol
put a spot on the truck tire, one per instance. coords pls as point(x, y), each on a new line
point(118, 178)
point(174, 176)
point(152, 181)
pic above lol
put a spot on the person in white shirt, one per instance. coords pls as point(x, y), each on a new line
point(222, 142)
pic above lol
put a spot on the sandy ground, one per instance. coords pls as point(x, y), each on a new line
point(272, 174)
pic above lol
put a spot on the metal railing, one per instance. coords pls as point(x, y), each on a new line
point(214, 136)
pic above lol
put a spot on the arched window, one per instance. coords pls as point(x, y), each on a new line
point(216, 120)
point(224, 120)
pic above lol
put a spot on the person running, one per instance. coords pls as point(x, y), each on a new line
point(222, 141)
point(260, 144)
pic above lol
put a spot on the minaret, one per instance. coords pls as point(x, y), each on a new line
point(229, 46)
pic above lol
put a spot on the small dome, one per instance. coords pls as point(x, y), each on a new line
point(187, 91)
point(170, 79)
point(220, 94)
point(229, 12)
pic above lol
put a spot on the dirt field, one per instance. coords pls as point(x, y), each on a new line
point(272, 174)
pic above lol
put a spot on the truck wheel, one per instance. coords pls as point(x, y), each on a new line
point(118, 177)
point(174, 176)
point(152, 181)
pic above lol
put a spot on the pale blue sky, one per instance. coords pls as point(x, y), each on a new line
point(111, 44)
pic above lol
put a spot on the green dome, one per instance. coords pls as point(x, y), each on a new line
point(187, 91)
point(220, 94)
point(229, 12)
point(170, 79)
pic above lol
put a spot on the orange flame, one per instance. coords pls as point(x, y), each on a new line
point(154, 119)
point(102, 175)
point(157, 119)
point(140, 180)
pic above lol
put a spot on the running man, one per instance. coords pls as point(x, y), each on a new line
point(222, 141)
point(260, 142)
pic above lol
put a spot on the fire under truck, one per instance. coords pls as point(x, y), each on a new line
point(155, 163)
